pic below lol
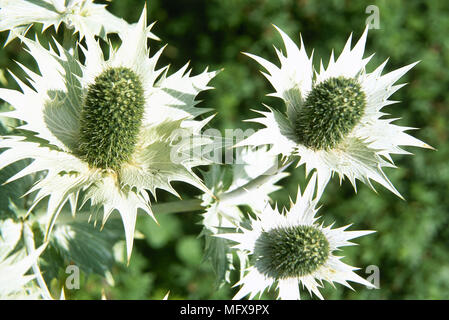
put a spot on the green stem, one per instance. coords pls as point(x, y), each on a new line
point(255, 183)
point(68, 37)
point(178, 206)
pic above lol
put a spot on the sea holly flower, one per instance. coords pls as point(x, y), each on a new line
point(333, 121)
point(248, 182)
point(291, 248)
point(106, 129)
point(84, 16)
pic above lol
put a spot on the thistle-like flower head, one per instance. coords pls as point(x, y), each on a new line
point(333, 121)
point(288, 249)
point(107, 130)
point(83, 16)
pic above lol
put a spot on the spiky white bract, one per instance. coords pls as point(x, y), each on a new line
point(301, 216)
point(84, 16)
point(248, 182)
point(52, 114)
point(252, 179)
point(15, 283)
point(359, 154)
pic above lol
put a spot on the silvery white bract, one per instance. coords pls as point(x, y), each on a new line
point(83, 16)
point(333, 120)
point(14, 282)
point(291, 249)
point(105, 129)
point(249, 181)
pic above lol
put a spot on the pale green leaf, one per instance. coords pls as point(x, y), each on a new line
point(84, 244)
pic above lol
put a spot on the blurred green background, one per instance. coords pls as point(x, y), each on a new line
point(411, 246)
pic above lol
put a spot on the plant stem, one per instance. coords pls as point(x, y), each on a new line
point(178, 206)
point(67, 40)
point(255, 183)
point(196, 204)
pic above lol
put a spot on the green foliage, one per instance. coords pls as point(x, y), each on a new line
point(217, 253)
point(411, 246)
point(12, 202)
point(85, 245)
point(189, 250)
point(159, 235)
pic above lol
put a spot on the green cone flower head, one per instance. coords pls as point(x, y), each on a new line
point(105, 130)
point(111, 118)
point(283, 253)
point(333, 121)
point(333, 109)
point(291, 249)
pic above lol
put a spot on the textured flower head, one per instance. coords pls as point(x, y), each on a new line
point(105, 129)
point(333, 119)
point(83, 16)
point(291, 249)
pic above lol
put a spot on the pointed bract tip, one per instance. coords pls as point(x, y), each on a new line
point(400, 196)
point(143, 17)
point(301, 40)
point(365, 31)
point(248, 54)
point(412, 65)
